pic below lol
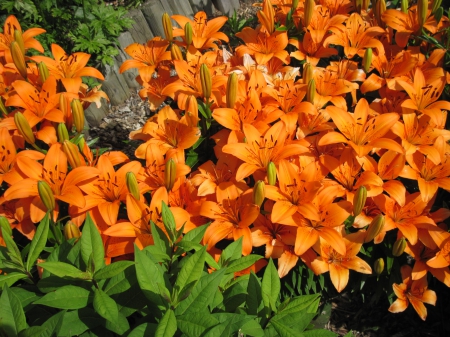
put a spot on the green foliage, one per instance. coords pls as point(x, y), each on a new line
point(81, 25)
point(173, 287)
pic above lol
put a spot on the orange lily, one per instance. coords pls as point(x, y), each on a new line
point(360, 132)
point(18, 214)
point(339, 264)
point(414, 292)
point(152, 89)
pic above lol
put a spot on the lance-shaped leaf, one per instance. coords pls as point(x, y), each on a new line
point(167, 325)
point(270, 286)
point(12, 317)
point(66, 297)
point(105, 306)
point(62, 269)
point(91, 243)
point(190, 272)
point(38, 242)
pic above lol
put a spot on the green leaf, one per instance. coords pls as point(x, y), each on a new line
point(38, 242)
point(169, 221)
point(62, 269)
point(119, 327)
point(202, 294)
point(195, 235)
point(167, 326)
point(243, 263)
point(252, 328)
point(229, 324)
point(307, 303)
point(11, 278)
point(160, 240)
point(254, 297)
point(231, 253)
point(149, 274)
point(191, 271)
point(105, 306)
point(91, 243)
point(13, 251)
point(26, 297)
point(78, 321)
point(320, 333)
point(67, 297)
point(33, 331)
point(143, 330)
point(53, 324)
point(12, 317)
point(285, 331)
point(195, 324)
point(112, 270)
point(121, 282)
point(270, 286)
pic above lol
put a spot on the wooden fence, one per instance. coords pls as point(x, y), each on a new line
point(147, 24)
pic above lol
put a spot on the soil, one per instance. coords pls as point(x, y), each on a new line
point(340, 314)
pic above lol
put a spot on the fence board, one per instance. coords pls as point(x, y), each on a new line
point(227, 7)
point(140, 31)
point(125, 39)
point(153, 12)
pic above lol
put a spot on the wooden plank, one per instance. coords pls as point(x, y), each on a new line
point(153, 12)
point(95, 115)
point(125, 39)
point(181, 8)
point(115, 85)
point(227, 7)
point(140, 31)
point(202, 5)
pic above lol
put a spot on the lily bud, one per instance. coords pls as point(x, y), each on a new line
point(399, 247)
point(359, 200)
point(378, 266)
point(422, 11)
point(232, 88)
point(271, 173)
point(307, 73)
point(175, 52)
point(18, 37)
point(295, 4)
point(46, 194)
point(72, 153)
point(167, 25)
point(81, 144)
point(170, 174)
point(404, 4)
point(43, 72)
point(19, 59)
point(311, 91)
point(259, 193)
point(62, 132)
point(380, 8)
point(78, 115)
point(71, 231)
point(308, 12)
point(375, 227)
point(191, 111)
point(132, 185)
point(435, 6)
point(367, 60)
point(206, 80)
point(3, 109)
point(265, 21)
point(438, 14)
point(188, 33)
point(39, 269)
point(24, 128)
point(4, 224)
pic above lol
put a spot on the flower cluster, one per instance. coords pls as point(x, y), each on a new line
point(312, 162)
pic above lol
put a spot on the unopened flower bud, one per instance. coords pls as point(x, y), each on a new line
point(39, 269)
point(71, 231)
point(295, 4)
point(43, 72)
point(375, 227)
point(308, 12)
point(46, 195)
point(191, 111)
point(438, 14)
point(72, 153)
point(311, 91)
point(18, 37)
point(265, 21)
point(62, 132)
point(404, 6)
point(307, 73)
point(259, 193)
point(175, 52)
point(188, 33)
point(170, 174)
point(399, 247)
point(132, 185)
point(167, 25)
point(24, 128)
point(367, 60)
point(271, 173)
point(359, 200)
point(232, 88)
point(4, 224)
point(379, 9)
point(378, 266)
point(19, 59)
point(206, 80)
point(3, 109)
point(422, 11)
point(436, 5)
point(81, 144)
point(78, 115)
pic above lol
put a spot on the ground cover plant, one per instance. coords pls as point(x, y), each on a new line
point(317, 146)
